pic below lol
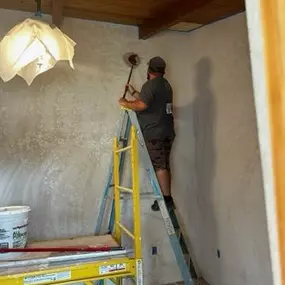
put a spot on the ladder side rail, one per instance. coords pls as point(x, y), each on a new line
point(136, 207)
point(121, 168)
point(116, 157)
point(103, 203)
point(136, 195)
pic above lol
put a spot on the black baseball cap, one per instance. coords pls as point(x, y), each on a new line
point(157, 64)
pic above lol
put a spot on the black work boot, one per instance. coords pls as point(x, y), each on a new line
point(155, 206)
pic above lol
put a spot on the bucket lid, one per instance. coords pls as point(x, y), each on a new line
point(14, 210)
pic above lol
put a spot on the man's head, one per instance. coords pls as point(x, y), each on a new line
point(156, 67)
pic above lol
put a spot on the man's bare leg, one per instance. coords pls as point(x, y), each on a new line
point(163, 177)
point(164, 180)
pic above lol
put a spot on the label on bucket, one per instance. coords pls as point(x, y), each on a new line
point(50, 277)
point(20, 236)
point(14, 237)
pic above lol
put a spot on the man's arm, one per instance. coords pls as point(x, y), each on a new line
point(136, 105)
point(143, 99)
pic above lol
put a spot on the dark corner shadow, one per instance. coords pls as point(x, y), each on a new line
point(201, 115)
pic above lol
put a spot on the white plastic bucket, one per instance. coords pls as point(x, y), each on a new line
point(13, 229)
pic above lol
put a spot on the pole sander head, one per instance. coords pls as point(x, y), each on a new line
point(131, 59)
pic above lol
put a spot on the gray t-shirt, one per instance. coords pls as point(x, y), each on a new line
point(157, 120)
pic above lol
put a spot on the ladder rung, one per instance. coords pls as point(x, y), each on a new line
point(125, 189)
point(124, 149)
point(126, 230)
point(122, 197)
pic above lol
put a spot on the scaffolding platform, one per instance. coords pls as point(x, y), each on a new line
point(47, 268)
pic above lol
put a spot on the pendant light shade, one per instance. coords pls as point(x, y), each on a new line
point(31, 48)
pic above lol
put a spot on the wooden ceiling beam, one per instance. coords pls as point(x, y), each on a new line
point(30, 6)
point(57, 9)
point(169, 16)
point(101, 16)
point(216, 10)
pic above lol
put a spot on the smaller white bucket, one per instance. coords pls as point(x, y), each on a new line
point(13, 229)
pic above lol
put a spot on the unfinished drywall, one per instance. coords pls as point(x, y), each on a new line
point(56, 137)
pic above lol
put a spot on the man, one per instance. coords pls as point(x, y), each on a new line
point(153, 106)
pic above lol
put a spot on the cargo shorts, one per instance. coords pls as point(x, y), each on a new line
point(159, 152)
